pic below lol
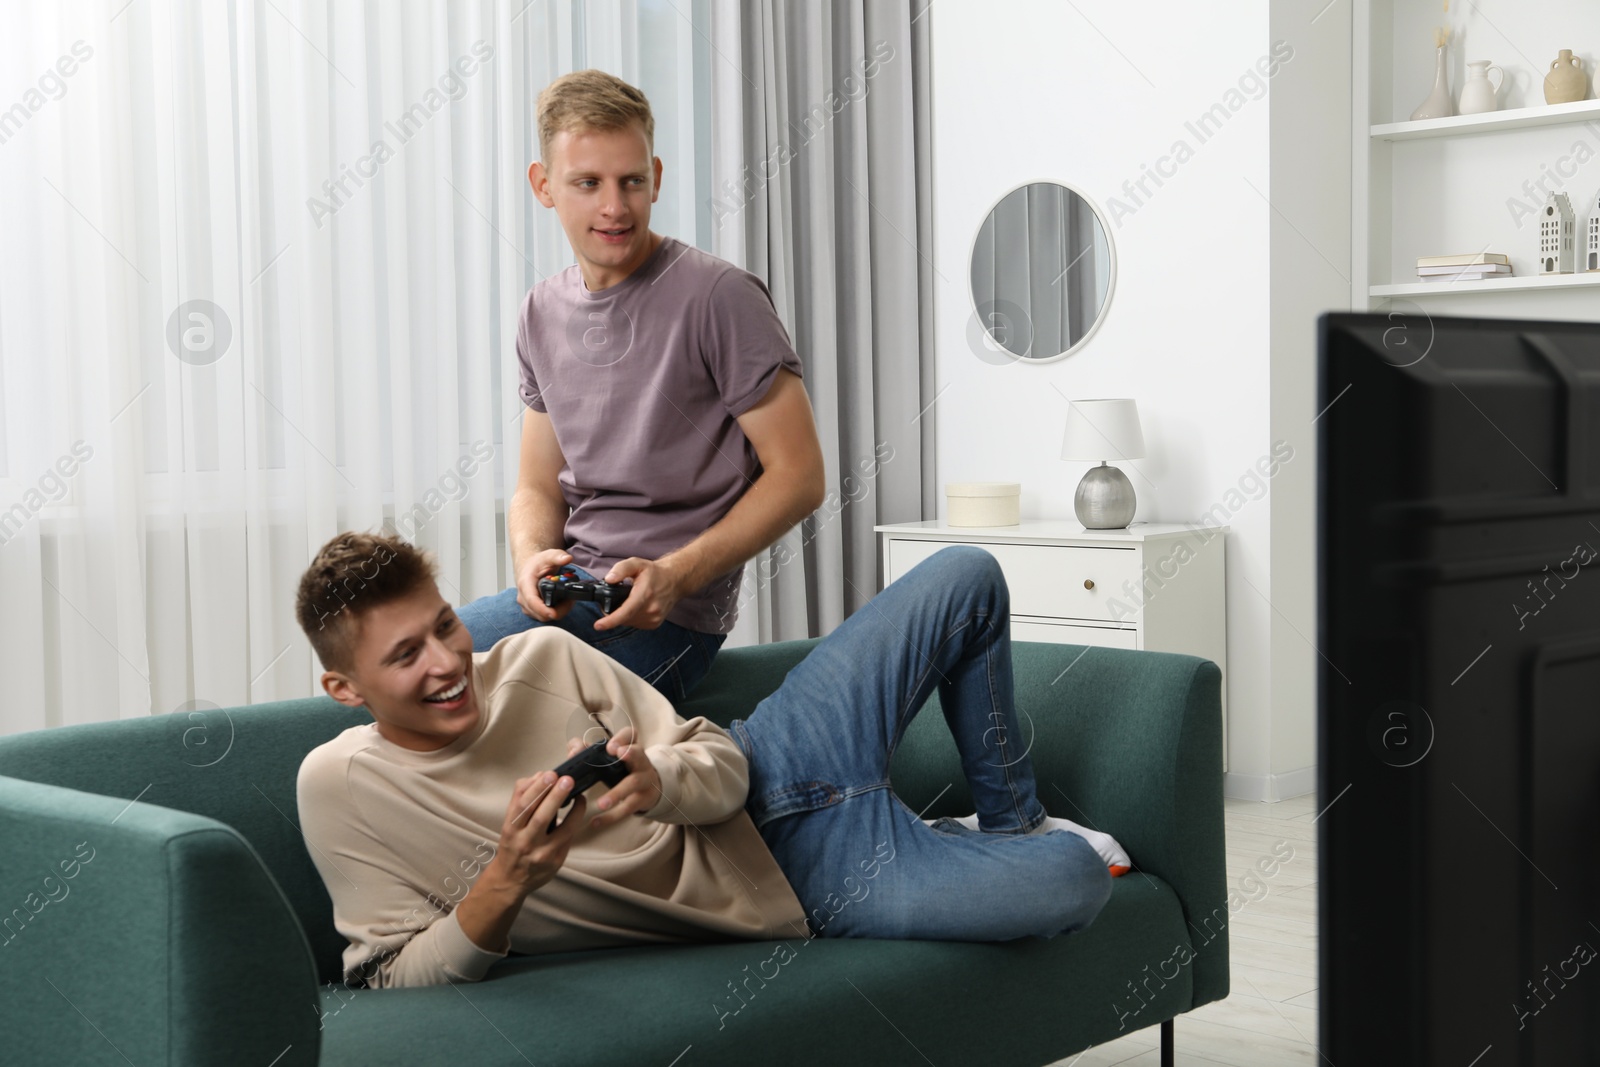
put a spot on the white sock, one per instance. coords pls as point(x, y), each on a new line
point(1106, 845)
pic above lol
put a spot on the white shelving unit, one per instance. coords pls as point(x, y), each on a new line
point(1488, 285)
point(1520, 119)
point(1470, 183)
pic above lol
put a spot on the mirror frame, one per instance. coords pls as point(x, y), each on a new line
point(1111, 282)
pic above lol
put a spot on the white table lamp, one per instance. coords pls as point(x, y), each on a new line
point(1102, 430)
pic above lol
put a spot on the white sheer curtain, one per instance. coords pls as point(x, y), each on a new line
point(262, 262)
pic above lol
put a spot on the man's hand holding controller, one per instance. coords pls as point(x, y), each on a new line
point(637, 792)
point(532, 848)
point(533, 844)
point(539, 565)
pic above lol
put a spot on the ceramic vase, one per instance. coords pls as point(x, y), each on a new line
point(1479, 94)
point(1565, 81)
point(1438, 105)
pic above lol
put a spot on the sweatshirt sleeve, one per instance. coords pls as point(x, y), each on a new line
point(440, 954)
point(400, 933)
point(704, 775)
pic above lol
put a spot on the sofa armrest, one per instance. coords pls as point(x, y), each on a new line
point(1121, 741)
point(1131, 743)
point(135, 933)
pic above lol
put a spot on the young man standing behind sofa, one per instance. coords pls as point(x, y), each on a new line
point(668, 437)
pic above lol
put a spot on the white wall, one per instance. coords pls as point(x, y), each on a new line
point(1033, 90)
point(1311, 248)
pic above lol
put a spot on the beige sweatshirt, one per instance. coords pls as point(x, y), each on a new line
point(399, 836)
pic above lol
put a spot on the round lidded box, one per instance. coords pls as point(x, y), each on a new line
point(983, 503)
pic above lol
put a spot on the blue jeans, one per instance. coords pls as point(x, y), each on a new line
point(672, 658)
point(862, 863)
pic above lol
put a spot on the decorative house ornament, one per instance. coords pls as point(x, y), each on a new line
point(1556, 225)
point(1591, 260)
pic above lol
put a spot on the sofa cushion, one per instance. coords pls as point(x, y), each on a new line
point(840, 1001)
point(737, 682)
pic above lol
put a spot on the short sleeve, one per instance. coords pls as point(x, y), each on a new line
point(529, 389)
point(745, 342)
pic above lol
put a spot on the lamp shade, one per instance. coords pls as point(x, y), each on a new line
point(1099, 430)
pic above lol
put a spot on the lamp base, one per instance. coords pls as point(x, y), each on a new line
point(1104, 500)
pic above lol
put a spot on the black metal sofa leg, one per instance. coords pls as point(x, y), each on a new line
point(1166, 1044)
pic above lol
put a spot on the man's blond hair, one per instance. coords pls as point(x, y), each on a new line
point(588, 100)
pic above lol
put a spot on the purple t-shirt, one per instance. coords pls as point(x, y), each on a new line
point(642, 383)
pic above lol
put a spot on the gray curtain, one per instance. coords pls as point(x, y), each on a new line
point(820, 175)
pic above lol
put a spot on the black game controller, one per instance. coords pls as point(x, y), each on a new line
point(566, 585)
point(592, 766)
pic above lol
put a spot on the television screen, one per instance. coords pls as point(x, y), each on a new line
point(1458, 547)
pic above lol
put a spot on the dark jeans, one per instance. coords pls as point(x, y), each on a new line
point(670, 657)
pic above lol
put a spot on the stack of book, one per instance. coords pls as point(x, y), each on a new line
point(1468, 268)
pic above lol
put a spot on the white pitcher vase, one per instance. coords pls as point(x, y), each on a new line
point(1480, 94)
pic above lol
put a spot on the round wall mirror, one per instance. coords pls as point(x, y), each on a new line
point(1042, 272)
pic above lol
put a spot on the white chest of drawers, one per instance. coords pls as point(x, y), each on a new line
point(1155, 586)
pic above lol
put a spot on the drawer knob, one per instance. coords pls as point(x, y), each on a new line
point(1088, 583)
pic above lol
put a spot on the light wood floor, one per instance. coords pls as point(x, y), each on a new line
point(1269, 1019)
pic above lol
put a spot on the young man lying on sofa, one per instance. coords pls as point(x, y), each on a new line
point(439, 832)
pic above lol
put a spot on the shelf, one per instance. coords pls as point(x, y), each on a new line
point(1489, 285)
point(1489, 122)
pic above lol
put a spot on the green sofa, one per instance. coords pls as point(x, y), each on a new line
point(190, 927)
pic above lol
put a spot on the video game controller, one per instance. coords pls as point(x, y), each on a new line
point(592, 766)
point(566, 585)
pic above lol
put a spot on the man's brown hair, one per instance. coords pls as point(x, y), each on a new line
point(352, 574)
point(591, 100)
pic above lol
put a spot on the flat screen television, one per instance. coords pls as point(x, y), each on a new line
point(1458, 632)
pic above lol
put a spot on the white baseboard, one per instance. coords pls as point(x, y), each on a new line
point(1269, 787)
